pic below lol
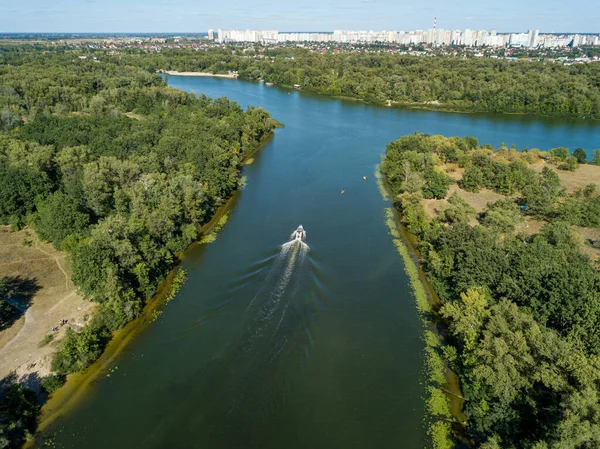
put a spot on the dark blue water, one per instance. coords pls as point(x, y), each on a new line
point(271, 346)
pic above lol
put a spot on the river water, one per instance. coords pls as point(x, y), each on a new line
point(291, 346)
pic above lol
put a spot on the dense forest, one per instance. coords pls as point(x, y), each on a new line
point(520, 310)
point(117, 169)
point(475, 84)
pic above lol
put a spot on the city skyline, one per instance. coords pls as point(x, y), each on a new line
point(433, 36)
point(167, 16)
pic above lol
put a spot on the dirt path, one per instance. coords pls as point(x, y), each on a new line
point(42, 281)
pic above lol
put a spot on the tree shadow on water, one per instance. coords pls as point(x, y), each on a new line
point(16, 295)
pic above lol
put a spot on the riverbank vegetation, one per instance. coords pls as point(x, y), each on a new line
point(474, 84)
point(117, 169)
point(438, 419)
point(518, 284)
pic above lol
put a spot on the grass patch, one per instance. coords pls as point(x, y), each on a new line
point(47, 339)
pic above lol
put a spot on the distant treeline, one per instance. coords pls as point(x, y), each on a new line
point(521, 311)
point(119, 170)
point(475, 84)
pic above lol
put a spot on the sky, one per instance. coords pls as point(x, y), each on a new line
point(192, 16)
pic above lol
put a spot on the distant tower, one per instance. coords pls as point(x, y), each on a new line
point(434, 23)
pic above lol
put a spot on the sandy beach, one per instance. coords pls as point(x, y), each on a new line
point(216, 75)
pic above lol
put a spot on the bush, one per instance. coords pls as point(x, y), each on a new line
point(78, 351)
point(53, 382)
point(560, 153)
point(570, 164)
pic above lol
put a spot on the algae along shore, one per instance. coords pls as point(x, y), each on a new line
point(509, 244)
point(95, 228)
point(444, 400)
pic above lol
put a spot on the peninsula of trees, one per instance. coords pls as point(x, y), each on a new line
point(511, 245)
point(492, 85)
point(120, 171)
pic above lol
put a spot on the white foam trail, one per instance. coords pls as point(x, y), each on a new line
point(275, 269)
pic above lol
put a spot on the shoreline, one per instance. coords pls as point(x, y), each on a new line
point(207, 74)
point(77, 384)
point(427, 106)
point(426, 302)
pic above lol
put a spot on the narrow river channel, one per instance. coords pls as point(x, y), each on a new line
point(270, 346)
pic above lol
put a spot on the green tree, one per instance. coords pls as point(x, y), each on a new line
point(436, 184)
point(560, 153)
point(19, 409)
point(472, 179)
point(570, 164)
point(580, 155)
point(78, 351)
point(60, 216)
point(458, 211)
point(502, 215)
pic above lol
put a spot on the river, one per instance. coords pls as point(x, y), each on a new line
point(289, 346)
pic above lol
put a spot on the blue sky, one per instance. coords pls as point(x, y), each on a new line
point(303, 15)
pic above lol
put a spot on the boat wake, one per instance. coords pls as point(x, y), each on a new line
point(248, 380)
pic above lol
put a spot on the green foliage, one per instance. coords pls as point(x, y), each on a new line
point(6, 310)
point(52, 382)
point(583, 210)
point(116, 168)
point(440, 433)
point(570, 164)
point(559, 153)
point(472, 179)
point(410, 267)
point(47, 339)
point(79, 350)
point(18, 413)
point(503, 215)
point(18, 188)
point(414, 213)
point(437, 403)
point(471, 84)
point(580, 155)
point(436, 184)
point(458, 211)
point(59, 216)
point(541, 193)
point(522, 313)
point(518, 373)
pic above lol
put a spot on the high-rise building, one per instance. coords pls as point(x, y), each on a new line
point(532, 38)
point(433, 36)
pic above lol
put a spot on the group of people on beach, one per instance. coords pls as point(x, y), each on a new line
point(61, 324)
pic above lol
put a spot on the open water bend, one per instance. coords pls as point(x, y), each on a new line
point(282, 346)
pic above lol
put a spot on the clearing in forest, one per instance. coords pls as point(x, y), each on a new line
point(42, 291)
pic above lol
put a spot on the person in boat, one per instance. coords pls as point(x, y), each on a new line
point(300, 232)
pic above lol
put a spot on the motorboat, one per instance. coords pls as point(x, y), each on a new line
point(299, 233)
